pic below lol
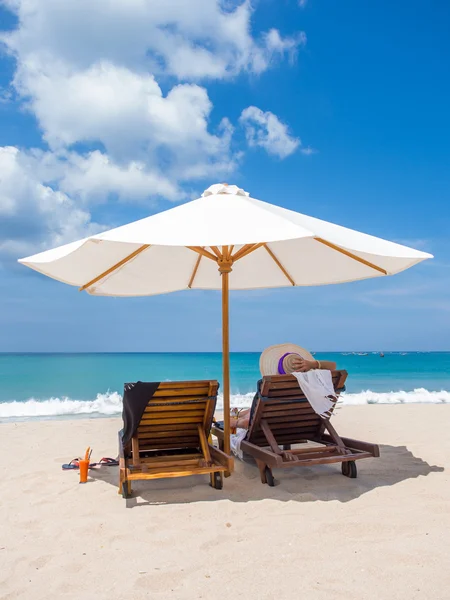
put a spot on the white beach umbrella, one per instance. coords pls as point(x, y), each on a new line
point(250, 243)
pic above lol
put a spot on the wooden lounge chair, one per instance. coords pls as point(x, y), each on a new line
point(282, 417)
point(171, 437)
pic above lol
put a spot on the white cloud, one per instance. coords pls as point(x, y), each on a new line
point(101, 75)
point(308, 150)
point(279, 45)
point(189, 40)
point(125, 111)
point(33, 215)
point(266, 130)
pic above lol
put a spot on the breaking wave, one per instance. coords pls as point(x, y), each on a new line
point(110, 403)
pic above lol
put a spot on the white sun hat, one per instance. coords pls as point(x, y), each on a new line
point(270, 358)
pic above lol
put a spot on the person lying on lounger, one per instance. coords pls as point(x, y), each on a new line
point(282, 359)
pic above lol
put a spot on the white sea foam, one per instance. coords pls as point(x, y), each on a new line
point(110, 403)
point(419, 395)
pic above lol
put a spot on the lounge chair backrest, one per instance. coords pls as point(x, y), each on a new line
point(174, 412)
point(282, 404)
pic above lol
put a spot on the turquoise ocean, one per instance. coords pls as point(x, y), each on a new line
point(71, 385)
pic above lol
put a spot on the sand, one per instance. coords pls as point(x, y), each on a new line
point(317, 534)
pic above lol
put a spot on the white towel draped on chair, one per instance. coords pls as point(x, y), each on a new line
point(317, 385)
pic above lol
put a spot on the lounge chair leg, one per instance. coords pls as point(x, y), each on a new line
point(262, 470)
point(217, 480)
point(126, 489)
point(269, 477)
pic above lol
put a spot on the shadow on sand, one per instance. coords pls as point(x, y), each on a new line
point(301, 484)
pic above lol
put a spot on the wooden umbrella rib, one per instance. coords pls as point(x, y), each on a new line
point(247, 249)
point(279, 265)
point(216, 251)
point(114, 267)
point(194, 272)
point(202, 251)
point(350, 255)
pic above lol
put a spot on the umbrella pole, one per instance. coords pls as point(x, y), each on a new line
point(226, 361)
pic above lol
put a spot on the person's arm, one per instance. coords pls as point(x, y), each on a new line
point(242, 421)
point(304, 365)
point(329, 365)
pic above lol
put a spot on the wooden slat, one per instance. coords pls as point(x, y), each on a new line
point(295, 417)
point(289, 438)
point(292, 427)
point(175, 414)
point(325, 460)
point(172, 462)
point(199, 390)
point(178, 457)
point(190, 437)
point(168, 427)
point(357, 445)
point(148, 432)
point(183, 406)
point(151, 445)
point(169, 472)
point(291, 411)
point(286, 405)
point(310, 448)
point(299, 432)
point(171, 420)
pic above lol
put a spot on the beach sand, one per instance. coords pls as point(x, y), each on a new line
point(317, 534)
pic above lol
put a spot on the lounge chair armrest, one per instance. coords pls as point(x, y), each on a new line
point(222, 458)
point(218, 432)
point(373, 449)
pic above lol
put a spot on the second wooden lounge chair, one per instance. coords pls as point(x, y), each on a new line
point(166, 430)
point(281, 417)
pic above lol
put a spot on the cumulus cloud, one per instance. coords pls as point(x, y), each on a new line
point(264, 129)
point(34, 215)
point(195, 39)
point(128, 79)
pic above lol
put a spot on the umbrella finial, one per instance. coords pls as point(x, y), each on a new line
point(224, 188)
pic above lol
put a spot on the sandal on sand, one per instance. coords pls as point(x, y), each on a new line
point(72, 465)
point(105, 461)
point(111, 462)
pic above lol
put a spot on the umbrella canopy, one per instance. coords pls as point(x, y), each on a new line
point(161, 253)
point(251, 243)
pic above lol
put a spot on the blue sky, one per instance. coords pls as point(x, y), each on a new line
point(110, 111)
